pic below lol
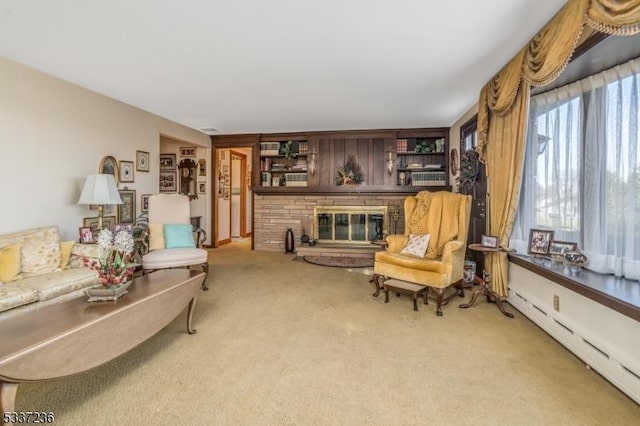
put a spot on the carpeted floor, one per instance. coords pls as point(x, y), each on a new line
point(285, 342)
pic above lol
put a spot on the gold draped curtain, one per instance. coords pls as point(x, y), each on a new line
point(504, 105)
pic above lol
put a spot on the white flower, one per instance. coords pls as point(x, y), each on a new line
point(105, 238)
point(123, 242)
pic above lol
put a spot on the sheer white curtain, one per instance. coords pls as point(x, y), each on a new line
point(582, 169)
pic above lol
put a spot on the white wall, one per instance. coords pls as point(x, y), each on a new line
point(53, 134)
point(604, 339)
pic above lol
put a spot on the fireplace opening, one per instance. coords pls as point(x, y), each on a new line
point(349, 224)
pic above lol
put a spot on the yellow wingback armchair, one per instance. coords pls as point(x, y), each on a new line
point(443, 215)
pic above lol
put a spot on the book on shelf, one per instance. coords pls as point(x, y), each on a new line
point(295, 179)
point(428, 179)
point(269, 148)
point(303, 148)
point(401, 145)
point(265, 179)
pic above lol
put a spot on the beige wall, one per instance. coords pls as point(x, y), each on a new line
point(53, 134)
point(454, 139)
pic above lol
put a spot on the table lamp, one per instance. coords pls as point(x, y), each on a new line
point(100, 189)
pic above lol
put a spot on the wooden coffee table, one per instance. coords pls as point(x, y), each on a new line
point(72, 337)
point(415, 290)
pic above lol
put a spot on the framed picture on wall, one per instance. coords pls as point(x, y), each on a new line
point(202, 187)
point(127, 210)
point(144, 203)
point(142, 161)
point(92, 222)
point(188, 151)
point(168, 181)
point(109, 165)
point(226, 193)
point(167, 161)
point(126, 172)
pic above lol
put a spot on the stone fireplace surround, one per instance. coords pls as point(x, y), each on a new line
point(273, 214)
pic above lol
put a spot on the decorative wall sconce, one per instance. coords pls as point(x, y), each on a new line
point(390, 162)
point(312, 163)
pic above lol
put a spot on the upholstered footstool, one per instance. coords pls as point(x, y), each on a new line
point(415, 290)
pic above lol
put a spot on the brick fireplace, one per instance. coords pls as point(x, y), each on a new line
point(273, 214)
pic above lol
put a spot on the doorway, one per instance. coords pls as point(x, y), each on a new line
point(239, 185)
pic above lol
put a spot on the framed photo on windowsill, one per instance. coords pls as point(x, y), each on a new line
point(559, 248)
point(539, 241)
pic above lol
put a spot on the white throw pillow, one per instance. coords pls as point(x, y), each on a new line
point(417, 245)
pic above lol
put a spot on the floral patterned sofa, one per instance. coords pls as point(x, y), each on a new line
point(38, 269)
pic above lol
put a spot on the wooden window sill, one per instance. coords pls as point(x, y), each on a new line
point(619, 294)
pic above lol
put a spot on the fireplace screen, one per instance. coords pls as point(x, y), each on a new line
point(350, 224)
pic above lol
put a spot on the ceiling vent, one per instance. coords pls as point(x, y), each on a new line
point(208, 130)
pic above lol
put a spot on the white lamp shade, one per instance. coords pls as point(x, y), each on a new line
point(100, 189)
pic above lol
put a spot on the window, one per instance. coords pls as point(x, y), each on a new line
point(581, 175)
point(469, 134)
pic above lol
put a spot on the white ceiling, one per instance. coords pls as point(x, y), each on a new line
point(277, 65)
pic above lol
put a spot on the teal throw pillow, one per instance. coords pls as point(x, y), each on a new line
point(178, 236)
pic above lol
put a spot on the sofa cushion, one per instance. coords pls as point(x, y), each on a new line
point(65, 253)
point(39, 249)
point(168, 258)
point(12, 296)
point(417, 245)
point(81, 251)
point(410, 261)
point(178, 235)
point(53, 284)
point(156, 236)
point(9, 262)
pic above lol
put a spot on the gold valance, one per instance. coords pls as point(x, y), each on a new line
point(619, 17)
point(549, 51)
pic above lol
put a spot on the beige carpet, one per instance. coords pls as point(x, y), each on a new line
point(284, 342)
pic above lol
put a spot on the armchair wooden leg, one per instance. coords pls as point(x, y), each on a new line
point(377, 281)
point(439, 294)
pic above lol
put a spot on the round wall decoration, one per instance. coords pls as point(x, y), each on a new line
point(454, 162)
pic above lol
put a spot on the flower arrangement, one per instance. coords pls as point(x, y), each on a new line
point(116, 268)
point(350, 173)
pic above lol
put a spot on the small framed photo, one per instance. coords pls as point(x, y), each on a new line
point(539, 241)
point(168, 181)
point(86, 234)
point(144, 203)
point(188, 151)
point(126, 171)
point(226, 192)
point(202, 187)
point(202, 167)
point(167, 161)
point(489, 241)
point(275, 181)
point(128, 227)
point(142, 161)
point(127, 210)
point(92, 222)
point(559, 248)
